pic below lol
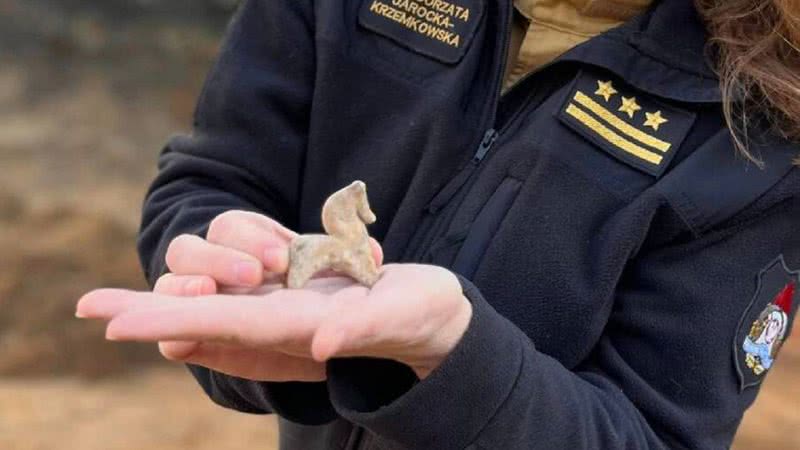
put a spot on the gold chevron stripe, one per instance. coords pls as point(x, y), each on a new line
point(612, 137)
point(620, 124)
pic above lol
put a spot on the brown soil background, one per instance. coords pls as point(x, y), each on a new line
point(89, 91)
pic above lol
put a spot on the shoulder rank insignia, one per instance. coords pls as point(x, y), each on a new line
point(441, 29)
point(630, 125)
point(766, 323)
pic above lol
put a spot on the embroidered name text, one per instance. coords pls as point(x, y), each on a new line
point(430, 18)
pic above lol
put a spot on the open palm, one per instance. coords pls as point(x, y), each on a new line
point(415, 314)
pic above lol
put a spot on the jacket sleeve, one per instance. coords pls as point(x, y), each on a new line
point(662, 375)
point(245, 152)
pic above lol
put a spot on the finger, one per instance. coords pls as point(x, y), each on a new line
point(107, 303)
point(192, 255)
point(185, 285)
point(275, 260)
point(342, 340)
point(254, 234)
point(279, 318)
point(264, 289)
point(377, 251)
point(237, 216)
point(350, 329)
point(329, 284)
point(250, 363)
point(178, 350)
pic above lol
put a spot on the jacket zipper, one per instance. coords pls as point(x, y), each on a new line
point(450, 189)
point(431, 226)
point(490, 137)
point(486, 144)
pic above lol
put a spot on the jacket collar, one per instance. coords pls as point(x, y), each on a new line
point(663, 52)
point(611, 10)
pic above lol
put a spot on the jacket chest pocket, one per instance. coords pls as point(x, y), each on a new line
point(478, 236)
point(458, 235)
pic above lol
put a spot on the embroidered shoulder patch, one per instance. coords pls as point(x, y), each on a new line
point(441, 29)
point(767, 322)
point(629, 125)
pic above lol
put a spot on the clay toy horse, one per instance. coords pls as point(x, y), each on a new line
point(345, 249)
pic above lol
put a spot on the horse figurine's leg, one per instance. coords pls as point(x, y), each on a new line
point(364, 271)
point(308, 255)
point(357, 262)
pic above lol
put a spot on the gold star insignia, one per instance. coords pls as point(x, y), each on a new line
point(629, 106)
point(654, 120)
point(605, 90)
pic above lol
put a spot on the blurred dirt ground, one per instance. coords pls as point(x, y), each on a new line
point(155, 409)
point(89, 92)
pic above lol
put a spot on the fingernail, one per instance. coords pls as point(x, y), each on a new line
point(79, 315)
point(247, 273)
point(194, 287)
point(276, 259)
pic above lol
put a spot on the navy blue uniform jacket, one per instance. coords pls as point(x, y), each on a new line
point(616, 250)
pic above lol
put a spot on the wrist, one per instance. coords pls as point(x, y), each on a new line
point(445, 340)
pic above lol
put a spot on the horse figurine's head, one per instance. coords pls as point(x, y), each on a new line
point(358, 190)
point(347, 208)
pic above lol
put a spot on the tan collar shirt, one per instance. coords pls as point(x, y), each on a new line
point(544, 29)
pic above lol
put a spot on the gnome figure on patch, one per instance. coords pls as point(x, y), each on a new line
point(768, 331)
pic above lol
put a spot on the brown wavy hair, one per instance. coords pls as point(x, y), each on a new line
point(757, 48)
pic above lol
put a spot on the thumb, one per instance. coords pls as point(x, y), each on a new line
point(352, 329)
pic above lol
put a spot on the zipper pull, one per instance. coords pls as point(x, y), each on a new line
point(486, 144)
point(451, 188)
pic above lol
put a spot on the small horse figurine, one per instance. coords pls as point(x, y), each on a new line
point(345, 248)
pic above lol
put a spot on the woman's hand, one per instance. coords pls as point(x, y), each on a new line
point(415, 314)
point(242, 251)
point(246, 362)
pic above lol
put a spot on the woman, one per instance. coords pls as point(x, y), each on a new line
point(592, 245)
